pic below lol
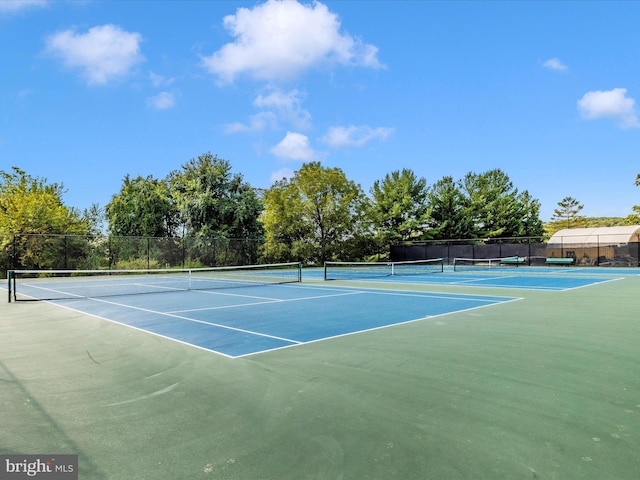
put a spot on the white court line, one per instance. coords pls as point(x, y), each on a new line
point(68, 294)
point(444, 296)
point(251, 332)
point(417, 293)
point(227, 327)
point(428, 317)
point(272, 300)
point(139, 329)
point(344, 291)
point(591, 284)
point(481, 278)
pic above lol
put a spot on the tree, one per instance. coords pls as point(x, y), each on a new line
point(532, 226)
point(399, 206)
point(634, 218)
point(567, 213)
point(143, 208)
point(32, 210)
point(314, 216)
point(31, 205)
point(95, 217)
point(494, 205)
point(213, 202)
point(448, 217)
point(215, 207)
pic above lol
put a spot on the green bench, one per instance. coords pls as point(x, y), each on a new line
point(560, 261)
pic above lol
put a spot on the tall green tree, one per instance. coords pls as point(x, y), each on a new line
point(32, 210)
point(567, 215)
point(31, 205)
point(143, 207)
point(532, 226)
point(215, 202)
point(314, 216)
point(399, 207)
point(448, 211)
point(493, 204)
point(95, 217)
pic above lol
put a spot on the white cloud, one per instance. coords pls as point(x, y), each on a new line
point(353, 136)
point(162, 101)
point(16, 5)
point(555, 64)
point(287, 106)
point(103, 53)
point(257, 123)
point(612, 104)
point(294, 146)
point(280, 39)
point(159, 80)
point(280, 107)
point(236, 127)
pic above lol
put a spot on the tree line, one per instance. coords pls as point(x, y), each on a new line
point(318, 214)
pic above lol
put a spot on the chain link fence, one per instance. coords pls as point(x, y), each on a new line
point(605, 250)
point(77, 252)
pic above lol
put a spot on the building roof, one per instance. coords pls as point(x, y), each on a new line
point(600, 235)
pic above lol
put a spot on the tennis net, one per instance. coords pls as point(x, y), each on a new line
point(483, 264)
point(64, 284)
point(357, 270)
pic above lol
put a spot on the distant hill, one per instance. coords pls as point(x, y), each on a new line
point(604, 221)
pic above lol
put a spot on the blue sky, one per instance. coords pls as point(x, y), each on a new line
point(546, 91)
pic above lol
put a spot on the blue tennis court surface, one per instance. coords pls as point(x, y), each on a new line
point(242, 321)
point(542, 282)
point(532, 278)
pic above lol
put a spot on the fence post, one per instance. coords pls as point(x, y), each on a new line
point(9, 275)
point(66, 259)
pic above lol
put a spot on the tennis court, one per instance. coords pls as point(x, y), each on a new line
point(409, 377)
point(237, 312)
point(422, 273)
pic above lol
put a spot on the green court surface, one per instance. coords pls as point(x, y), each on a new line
point(546, 387)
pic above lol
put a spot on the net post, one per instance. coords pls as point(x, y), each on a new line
point(9, 277)
point(325, 271)
point(299, 272)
